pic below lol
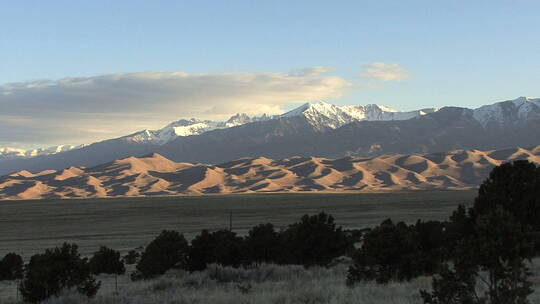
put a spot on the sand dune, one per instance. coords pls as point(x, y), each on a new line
point(157, 175)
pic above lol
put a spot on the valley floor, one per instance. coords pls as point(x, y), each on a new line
point(29, 227)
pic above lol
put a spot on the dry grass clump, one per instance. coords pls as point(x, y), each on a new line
point(264, 284)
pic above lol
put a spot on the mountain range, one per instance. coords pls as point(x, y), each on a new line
point(314, 129)
point(154, 174)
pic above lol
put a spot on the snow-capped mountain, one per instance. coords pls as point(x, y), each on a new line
point(322, 115)
point(190, 127)
point(11, 153)
point(317, 128)
point(508, 112)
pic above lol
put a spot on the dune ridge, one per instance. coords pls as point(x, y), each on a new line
point(154, 175)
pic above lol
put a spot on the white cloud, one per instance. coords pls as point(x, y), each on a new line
point(86, 109)
point(385, 72)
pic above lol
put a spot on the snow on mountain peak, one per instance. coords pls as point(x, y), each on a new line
point(508, 112)
point(190, 127)
point(11, 153)
point(323, 115)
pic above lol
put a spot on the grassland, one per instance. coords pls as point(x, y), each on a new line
point(267, 284)
point(28, 227)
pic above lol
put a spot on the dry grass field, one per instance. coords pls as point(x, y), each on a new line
point(267, 284)
point(28, 227)
point(31, 226)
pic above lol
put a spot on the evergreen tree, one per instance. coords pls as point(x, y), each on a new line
point(11, 267)
point(494, 256)
point(131, 257)
point(515, 186)
point(47, 274)
point(222, 247)
point(107, 260)
point(432, 241)
point(389, 252)
point(315, 240)
point(166, 251)
point(263, 243)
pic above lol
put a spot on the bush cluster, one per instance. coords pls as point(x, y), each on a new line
point(167, 250)
point(47, 274)
point(314, 240)
point(11, 267)
point(108, 261)
point(395, 252)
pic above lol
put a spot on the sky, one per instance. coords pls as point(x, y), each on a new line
point(75, 72)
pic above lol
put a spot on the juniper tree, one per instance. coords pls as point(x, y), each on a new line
point(47, 274)
point(166, 251)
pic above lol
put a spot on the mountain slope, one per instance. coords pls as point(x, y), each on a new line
point(323, 116)
point(190, 127)
point(317, 129)
point(156, 175)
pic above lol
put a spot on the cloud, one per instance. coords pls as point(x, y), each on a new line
point(85, 109)
point(385, 72)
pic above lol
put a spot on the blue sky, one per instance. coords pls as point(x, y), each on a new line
point(463, 53)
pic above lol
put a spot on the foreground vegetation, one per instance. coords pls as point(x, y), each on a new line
point(270, 284)
point(266, 284)
point(479, 256)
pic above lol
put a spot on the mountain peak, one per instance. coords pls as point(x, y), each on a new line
point(508, 112)
point(524, 99)
point(323, 115)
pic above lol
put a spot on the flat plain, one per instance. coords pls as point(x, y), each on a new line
point(28, 227)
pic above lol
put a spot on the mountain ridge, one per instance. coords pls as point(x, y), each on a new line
point(318, 129)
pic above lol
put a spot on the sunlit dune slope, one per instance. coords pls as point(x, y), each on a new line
point(157, 175)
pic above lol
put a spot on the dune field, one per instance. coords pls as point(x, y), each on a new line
point(155, 175)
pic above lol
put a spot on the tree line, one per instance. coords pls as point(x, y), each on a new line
point(487, 244)
point(314, 240)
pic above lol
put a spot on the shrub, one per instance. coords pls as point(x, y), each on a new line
point(166, 251)
point(389, 252)
point(47, 274)
point(108, 261)
point(131, 257)
point(11, 267)
point(315, 240)
point(221, 247)
point(263, 244)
